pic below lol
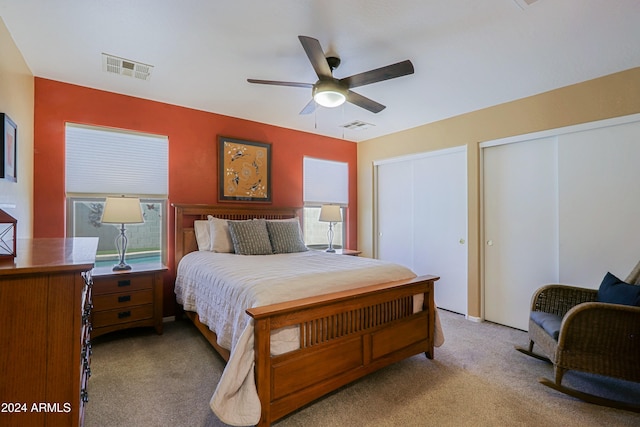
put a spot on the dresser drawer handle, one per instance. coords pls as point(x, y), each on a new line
point(124, 314)
point(124, 298)
point(86, 351)
point(123, 283)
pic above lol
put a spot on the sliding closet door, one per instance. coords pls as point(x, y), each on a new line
point(599, 211)
point(422, 219)
point(440, 207)
point(395, 213)
point(520, 231)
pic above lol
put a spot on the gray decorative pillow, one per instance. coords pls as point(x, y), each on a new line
point(286, 236)
point(250, 237)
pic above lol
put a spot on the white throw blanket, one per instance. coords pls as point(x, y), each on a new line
point(220, 287)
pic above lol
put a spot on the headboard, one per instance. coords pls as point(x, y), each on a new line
point(186, 214)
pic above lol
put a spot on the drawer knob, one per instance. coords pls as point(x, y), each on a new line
point(123, 283)
point(124, 298)
point(124, 314)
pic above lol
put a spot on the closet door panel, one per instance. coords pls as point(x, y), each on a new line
point(520, 227)
point(395, 213)
point(599, 203)
point(440, 232)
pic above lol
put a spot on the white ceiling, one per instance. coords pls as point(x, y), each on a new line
point(468, 54)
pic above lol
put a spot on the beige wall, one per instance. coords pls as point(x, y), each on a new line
point(606, 97)
point(16, 100)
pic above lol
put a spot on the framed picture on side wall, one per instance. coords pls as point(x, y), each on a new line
point(244, 170)
point(9, 153)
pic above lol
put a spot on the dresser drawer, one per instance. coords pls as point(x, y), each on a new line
point(122, 315)
point(122, 299)
point(110, 285)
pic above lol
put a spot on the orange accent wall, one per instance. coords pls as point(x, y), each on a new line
point(192, 153)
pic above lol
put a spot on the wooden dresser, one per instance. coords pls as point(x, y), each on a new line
point(45, 306)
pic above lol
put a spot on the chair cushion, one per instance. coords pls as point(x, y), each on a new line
point(549, 322)
point(614, 291)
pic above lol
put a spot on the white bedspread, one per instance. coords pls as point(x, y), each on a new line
point(220, 287)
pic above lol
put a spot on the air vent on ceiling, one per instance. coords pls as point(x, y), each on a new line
point(126, 67)
point(357, 125)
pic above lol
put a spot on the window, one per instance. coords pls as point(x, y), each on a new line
point(103, 162)
point(325, 182)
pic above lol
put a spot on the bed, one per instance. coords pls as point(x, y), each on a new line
point(338, 336)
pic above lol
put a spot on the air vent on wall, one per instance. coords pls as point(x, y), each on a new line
point(357, 125)
point(126, 67)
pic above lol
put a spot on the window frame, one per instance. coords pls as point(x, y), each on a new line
point(323, 174)
point(71, 219)
point(106, 140)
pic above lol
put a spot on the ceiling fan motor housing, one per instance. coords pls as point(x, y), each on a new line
point(329, 93)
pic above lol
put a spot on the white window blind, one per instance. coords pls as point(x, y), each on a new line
point(325, 181)
point(107, 161)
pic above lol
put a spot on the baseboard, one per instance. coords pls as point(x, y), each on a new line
point(474, 319)
point(168, 319)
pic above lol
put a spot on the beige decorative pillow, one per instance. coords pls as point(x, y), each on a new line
point(201, 230)
point(219, 235)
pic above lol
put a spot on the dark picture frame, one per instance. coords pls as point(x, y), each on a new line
point(244, 170)
point(9, 152)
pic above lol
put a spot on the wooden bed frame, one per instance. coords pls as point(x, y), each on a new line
point(343, 336)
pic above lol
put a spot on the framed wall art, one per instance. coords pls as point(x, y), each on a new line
point(9, 153)
point(244, 170)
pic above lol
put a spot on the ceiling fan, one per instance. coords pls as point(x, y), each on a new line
point(331, 92)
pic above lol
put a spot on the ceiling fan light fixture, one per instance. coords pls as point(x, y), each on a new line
point(329, 94)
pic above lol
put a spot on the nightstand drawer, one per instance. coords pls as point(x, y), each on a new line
point(123, 315)
point(127, 299)
point(110, 285)
point(122, 299)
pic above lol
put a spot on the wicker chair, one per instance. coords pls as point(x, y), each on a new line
point(593, 337)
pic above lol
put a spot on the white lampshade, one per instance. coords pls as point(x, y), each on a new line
point(329, 94)
point(330, 213)
point(122, 210)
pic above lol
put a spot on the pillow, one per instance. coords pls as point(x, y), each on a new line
point(201, 229)
point(286, 236)
point(615, 291)
point(250, 237)
point(220, 240)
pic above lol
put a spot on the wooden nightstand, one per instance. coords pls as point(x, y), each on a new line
point(350, 252)
point(127, 299)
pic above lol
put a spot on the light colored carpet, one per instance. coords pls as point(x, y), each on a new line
point(476, 379)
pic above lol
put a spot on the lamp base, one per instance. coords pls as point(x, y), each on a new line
point(330, 250)
point(121, 267)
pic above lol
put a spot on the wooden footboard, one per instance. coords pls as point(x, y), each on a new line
point(343, 336)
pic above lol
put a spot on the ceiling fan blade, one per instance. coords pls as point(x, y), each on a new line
point(364, 102)
point(316, 56)
point(310, 107)
point(277, 83)
point(379, 74)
